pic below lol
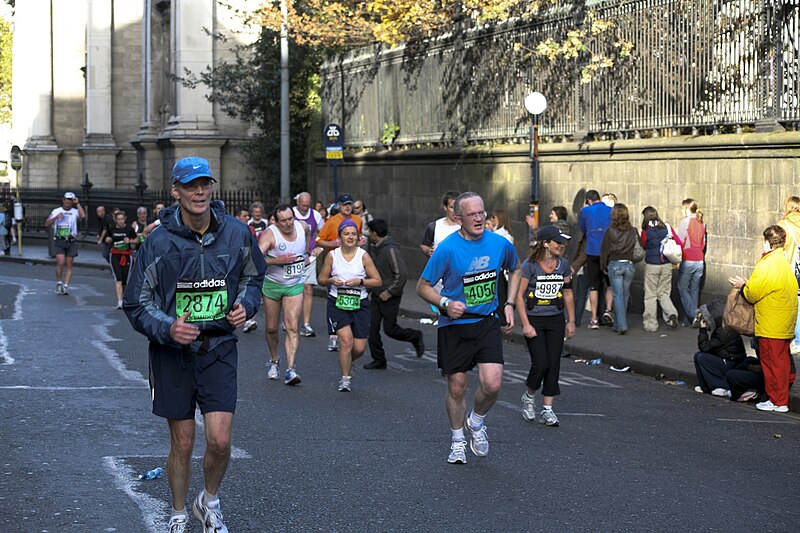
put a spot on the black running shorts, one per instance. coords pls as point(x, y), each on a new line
point(357, 320)
point(462, 346)
point(179, 383)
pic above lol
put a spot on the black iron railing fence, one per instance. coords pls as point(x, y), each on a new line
point(39, 202)
point(697, 67)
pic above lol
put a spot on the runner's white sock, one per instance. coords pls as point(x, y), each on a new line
point(458, 434)
point(476, 420)
point(182, 512)
point(528, 396)
point(548, 407)
point(210, 498)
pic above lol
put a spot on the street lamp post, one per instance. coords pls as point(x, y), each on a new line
point(535, 104)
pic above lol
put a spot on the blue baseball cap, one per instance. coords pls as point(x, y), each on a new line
point(191, 168)
point(345, 199)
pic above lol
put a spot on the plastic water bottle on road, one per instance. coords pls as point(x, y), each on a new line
point(152, 474)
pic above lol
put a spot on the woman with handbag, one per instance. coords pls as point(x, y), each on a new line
point(692, 232)
point(772, 289)
point(616, 260)
point(657, 270)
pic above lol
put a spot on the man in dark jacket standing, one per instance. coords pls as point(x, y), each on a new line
point(196, 279)
point(386, 298)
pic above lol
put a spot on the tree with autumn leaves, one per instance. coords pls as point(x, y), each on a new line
point(247, 87)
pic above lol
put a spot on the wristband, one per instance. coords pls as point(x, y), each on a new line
point(443, 303)
point(512, 304)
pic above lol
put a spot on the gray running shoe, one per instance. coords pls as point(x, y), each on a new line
point(548, 418)
point(291, 377)
point(333, 343)
point(209, 515)
point(478, 440)
point(307, 331)
point(250, 325)
point(458, 453)
point(273, 370)
point(344, 384)
point(59, 288)
point(65, 289)
point(177, 523)
point(528, 407)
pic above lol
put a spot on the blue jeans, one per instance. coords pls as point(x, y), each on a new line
point(689, 287)
point(620, 273)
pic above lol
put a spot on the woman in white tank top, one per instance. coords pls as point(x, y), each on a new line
point(348, 271)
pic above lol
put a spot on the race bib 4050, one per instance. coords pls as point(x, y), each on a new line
point(480, 288)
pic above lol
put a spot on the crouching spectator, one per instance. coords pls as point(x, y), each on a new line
point(720, 350)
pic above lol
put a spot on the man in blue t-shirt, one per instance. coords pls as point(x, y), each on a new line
point(593, 221)
point(469, 263)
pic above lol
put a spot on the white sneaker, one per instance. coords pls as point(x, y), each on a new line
point(272, 373)
point(478, 439)
point(794, 349)
point(724, 393)
point(344, 384)
point(65, 289)
point(177, 523)
point(528, 407)
point(250, 325)
point(291, 377)
point(307, 331)
point(59, 288)
point(458, 453)
point(548, 418)
point(769, 406)
point(333, 343)
point(209, 514)
point(699, 389)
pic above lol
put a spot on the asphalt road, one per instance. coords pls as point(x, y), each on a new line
point(631, 453)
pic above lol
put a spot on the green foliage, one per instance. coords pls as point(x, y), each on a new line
point(6, 38)
point(390, 131)
point(247, 87)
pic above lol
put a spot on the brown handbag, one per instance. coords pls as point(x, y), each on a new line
point(739, 314)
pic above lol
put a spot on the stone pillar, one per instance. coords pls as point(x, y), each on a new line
point(33, 93)
point(99, 151)
point(193, 51)
point(155, 58)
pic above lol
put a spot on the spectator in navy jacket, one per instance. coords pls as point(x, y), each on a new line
point(593, 221)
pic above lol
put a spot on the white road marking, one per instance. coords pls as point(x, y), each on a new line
point(4, 355)
point(515, 407)
point(55, 388)
point(758, 421)
point(153, 510)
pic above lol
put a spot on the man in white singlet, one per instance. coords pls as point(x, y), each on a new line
point(304, 213)
point(440, 229)
point(284, 247)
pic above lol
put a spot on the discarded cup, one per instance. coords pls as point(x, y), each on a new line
point(580, 360)
point(595, 362)
point(152, 474)
point(623, 369)
point(425, 321)
point(678, 382)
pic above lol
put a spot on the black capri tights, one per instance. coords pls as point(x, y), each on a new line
point(545, 349)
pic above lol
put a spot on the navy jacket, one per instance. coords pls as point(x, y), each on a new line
point(172, 253)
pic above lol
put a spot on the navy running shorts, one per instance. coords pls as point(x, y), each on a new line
point(180, 382)
point(462, 346)
point(357, 320)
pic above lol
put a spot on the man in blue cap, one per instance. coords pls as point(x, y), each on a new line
point(196, 279)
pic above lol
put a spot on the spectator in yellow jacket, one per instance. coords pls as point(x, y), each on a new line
point(791, 224)
point(772, 289)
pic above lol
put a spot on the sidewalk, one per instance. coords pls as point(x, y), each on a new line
point(665, 355)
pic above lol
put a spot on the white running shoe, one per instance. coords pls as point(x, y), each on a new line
point(209, 514)
point(250, 325)
point(724, 393)
point(272, 373)
point(528, 407)
point(769, 406)
point(177, 523)
point(307, 331)
point(344, 384)
point(548, 418)
point(59, 288)
point(458, 453)
point(333, 343)
point(478, 439)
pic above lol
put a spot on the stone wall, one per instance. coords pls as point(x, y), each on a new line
point(739, 181)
